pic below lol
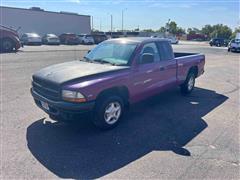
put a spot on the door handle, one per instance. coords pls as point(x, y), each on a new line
point(149, 71)
point(162, 68)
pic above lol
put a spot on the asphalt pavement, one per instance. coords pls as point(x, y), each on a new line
point(169, 136)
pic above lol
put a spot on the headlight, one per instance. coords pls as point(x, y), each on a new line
point(73, 96)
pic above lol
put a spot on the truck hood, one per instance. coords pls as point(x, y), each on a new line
point(65, 72)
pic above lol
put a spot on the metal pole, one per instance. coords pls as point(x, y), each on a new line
point(92, 23)
point(122, 21)
point(111, 25)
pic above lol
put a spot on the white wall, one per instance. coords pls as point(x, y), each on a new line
point(43, 22)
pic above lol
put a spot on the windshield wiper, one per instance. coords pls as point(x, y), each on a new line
point(86, 59)
point(104, 61)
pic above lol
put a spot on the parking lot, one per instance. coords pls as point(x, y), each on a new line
point(168, 136)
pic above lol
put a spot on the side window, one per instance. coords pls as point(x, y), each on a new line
point(151, 48)
point(166, 52)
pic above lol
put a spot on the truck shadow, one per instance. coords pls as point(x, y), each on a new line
point(166, 122)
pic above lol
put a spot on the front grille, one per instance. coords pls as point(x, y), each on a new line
point(46, 91)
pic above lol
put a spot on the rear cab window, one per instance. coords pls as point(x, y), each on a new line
point(165, 50)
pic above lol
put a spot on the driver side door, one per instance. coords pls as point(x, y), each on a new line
point(145, 75)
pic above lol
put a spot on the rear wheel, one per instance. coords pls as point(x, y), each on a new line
point(188, 86)
point(108, 111)
point(7, 45)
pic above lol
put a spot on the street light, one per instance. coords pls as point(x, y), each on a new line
point(111, 25)
point(122, 17)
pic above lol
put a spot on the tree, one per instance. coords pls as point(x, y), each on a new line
point(162, 30)
point(237, 30)
point(207, 30)
point(192, 31)
point(221, 31)
point(172, 27)
point(180, 31)
point(148, 30)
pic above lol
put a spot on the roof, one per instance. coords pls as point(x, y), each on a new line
point(43, 11)
point(138, 39)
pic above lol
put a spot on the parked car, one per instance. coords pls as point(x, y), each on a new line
point(173, 40)
point(218, 42)
point(234, 45)
point(9, 39)
point(31, 39)
point(116, 73)
point(98, 38)
point(86, 39)
point(69, 38)
point(50, 39)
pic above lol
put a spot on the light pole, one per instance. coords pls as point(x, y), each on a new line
point(111, 25)
point(100, 25)
point(167, 27)
point(92, 23)
point(123, 17)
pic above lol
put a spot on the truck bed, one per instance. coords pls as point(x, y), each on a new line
point(181, 54)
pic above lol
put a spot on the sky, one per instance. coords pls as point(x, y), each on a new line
point(145, 14)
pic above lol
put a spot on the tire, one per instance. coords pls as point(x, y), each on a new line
point(108, 112)
point(188, 86)
point(7, 45)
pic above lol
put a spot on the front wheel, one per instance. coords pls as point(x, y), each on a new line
point(108, 112)
point(7, 45)
point(188, 86)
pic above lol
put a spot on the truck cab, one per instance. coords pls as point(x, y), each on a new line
point(115, 74)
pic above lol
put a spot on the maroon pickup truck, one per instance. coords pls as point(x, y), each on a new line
point(116, 73)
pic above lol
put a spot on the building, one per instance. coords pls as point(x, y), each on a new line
point(42, 22)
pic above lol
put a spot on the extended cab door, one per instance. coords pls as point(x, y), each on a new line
point(145, 75)
point(167, 66)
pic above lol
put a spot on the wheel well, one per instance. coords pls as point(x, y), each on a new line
point(194, 69)
point(121, 91)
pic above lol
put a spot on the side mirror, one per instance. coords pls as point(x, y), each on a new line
point(146, 58)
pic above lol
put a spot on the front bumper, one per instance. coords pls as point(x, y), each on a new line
point(235, 48)
point(62, 108)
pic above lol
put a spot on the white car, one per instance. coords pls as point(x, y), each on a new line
point(173, 40)
point(50, 39)
point(31, 39)
point(234, 45)
point(86, 39)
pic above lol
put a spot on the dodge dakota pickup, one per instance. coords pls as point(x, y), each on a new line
point(113, 75)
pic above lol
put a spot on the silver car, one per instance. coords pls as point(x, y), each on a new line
point(50, 39)
point(31, 39)
point(86, 39)
point(234, 45)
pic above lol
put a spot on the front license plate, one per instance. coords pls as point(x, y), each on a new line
point(45, 105)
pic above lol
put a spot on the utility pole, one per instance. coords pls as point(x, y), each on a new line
point(111, 25)
point(92, 23)
point(123, 18)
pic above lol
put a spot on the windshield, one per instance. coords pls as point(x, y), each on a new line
point(33, 35)
point(51, 35)
point(113, 53)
